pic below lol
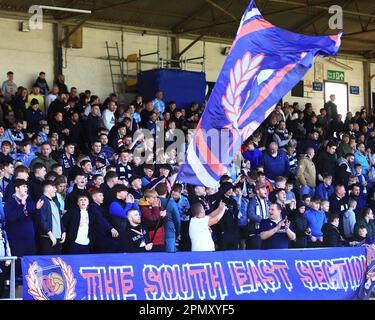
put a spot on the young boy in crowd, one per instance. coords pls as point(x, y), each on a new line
point(289, 193)
point(263, 180)
point(352, 180)
point(97, 181)
point(324, 206)
point(325, 189)
point(362, 180)
point(148, 172)
point(86, 166)
point(306, 199)
point(316, 219)
point(349, 220)
point(44, 133)
point(362, 236)
point(280, 183)
point(5, 154)
point(301, 227)
point(78, 222)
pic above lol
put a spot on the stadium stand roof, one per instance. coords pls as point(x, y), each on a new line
point(219, 18)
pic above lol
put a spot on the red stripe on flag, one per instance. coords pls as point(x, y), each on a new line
point(255, 25)
point(266, 91)
point(206, 153)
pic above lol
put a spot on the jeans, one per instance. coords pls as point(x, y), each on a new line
point(307, 190)
point(170, 245)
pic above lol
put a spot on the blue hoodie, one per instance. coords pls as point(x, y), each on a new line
point(255, 156)
point(316, 219)
point(323, 192)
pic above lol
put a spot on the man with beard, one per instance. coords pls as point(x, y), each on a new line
point(256, 211)
point(121, 204)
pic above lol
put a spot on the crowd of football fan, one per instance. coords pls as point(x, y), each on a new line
point(70, 183)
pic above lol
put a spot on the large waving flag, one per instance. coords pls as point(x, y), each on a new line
point(264, 63)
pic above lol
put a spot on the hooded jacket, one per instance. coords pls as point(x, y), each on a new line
point(360, 158)
point(326, 162)
point(343, 172)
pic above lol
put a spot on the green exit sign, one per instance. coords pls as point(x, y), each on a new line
point(336, 75)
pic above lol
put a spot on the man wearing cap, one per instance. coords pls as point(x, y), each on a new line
point(35, 94)
point(136, 187)
point(118, 208)
point(33, 116)
point(256, 211)
point(100, 166)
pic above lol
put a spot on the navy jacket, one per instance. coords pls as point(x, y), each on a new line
point(21, 227)
point(72, 198)
point(71, 221)
point(66, 163)
point(45, 217)
point(331, 236)
point(9, 190)
point(103, 241)
point(33, 119)
point(108, 197)
point(276, 166)
point(92, 126)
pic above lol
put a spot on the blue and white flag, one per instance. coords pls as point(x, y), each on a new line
point(264, 64)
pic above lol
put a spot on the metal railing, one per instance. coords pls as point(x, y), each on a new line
point(12, 280)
